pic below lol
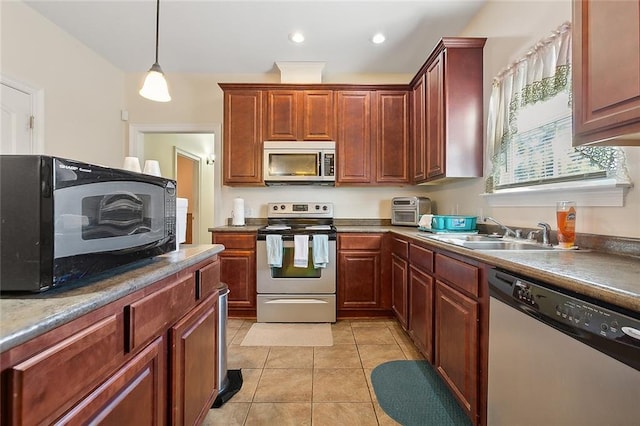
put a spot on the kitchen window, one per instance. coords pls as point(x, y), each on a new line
point(529, 136)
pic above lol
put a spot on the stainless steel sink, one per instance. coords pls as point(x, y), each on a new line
point(503, 245)
point(481, 237)
point(488, 242)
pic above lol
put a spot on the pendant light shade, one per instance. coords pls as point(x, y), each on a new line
point(155, 86)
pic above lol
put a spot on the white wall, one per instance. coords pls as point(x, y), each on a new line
point(83, 93)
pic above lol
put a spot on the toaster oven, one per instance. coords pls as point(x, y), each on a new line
point(406, 211)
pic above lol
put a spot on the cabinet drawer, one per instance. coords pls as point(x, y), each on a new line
point(48, 384)
point(235, 241)
point(360, 242)
point(400, 247)
point(207, 279)
point(458, 273)
point(156, 312)
point(421, 257)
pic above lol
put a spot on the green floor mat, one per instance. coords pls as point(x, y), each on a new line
point(412, 393)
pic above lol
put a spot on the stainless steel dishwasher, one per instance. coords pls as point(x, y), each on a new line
point(558, 358)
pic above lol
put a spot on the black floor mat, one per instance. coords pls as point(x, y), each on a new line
point(235, 384)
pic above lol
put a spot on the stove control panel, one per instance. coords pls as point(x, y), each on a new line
point(300, 209)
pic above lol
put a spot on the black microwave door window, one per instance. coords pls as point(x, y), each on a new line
point(115, 215)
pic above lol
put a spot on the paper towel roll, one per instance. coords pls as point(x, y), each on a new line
point(237, 215)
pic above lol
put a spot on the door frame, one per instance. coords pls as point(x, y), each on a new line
point(37, 110)
point(177, 152)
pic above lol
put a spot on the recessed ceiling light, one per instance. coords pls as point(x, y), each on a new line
point(296, 37)
point(378, 38)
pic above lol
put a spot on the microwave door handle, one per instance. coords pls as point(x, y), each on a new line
point(320, 171)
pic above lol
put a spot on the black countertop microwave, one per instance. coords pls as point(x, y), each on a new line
point(64, 220)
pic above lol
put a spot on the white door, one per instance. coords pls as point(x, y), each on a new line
point(17, 132)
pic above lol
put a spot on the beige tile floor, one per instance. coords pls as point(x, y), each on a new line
point(320, 385)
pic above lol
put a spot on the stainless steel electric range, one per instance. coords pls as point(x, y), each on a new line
point(296, 264)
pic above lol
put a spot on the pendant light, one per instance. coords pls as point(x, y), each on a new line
point(155, 86)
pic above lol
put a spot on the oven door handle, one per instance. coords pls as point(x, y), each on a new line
point(289, 237)
point(296, 301)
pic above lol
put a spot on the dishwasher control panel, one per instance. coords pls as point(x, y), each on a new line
point(564, 308)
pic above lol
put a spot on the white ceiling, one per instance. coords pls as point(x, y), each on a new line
point(238, 36)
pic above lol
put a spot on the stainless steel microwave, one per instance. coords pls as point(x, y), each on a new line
point(299, 162)
point(64, 220)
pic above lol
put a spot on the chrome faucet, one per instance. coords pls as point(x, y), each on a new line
point(507, 231)
point(546, 230)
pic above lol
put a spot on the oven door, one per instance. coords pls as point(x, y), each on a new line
point(290, 279)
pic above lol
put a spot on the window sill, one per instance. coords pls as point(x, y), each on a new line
point(597, 193)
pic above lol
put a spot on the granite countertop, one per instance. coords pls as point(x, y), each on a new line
point(25, 316)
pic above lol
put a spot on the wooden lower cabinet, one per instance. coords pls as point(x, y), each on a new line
point(238, 270)
point(362, 283)
point(193, 363)
point(148, 358)
point(400, 289)
point(447, 317)
point(456, 344)
point(421, 288)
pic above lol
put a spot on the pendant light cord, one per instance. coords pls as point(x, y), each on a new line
point(157, 27)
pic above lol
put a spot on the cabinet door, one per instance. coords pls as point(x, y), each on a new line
point(606, 71)
point(318, 120)
point(243, 137)
point(353, 137)
point(134, 395)
point(456, 345)
point(392, 136)
point(358, 279)
point(238, 268)
point(421, 311)
point(418, 145)
point(193, 363)
point(434, 117)
point(399, 289)
point(282, 115)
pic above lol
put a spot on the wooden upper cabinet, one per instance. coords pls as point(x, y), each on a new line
point(353, 141)
point(392, 137)
point(300, 115)
point(318, 119)
point(434, 122)
point(606, 72)
point(418, 159)
point(243, 112)
point(453, 115)
point(282, 115)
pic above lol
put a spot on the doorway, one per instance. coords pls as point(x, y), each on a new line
point(198, 143)
point(188, 178)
